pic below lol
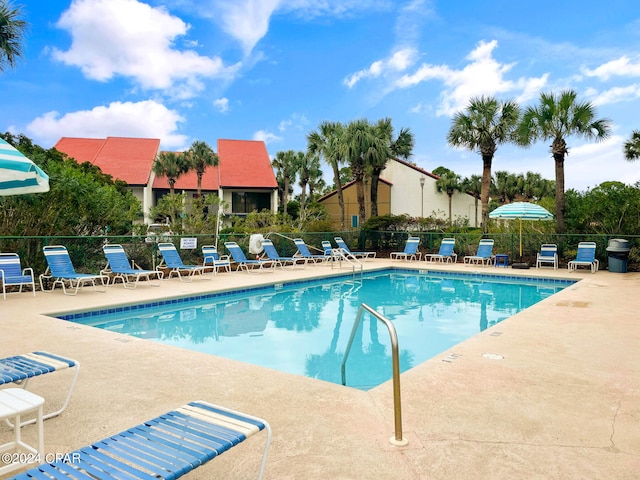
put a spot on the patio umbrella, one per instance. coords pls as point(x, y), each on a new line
point(18, 174)
point(521, 211)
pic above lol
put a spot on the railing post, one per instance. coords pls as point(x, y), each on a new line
point(397, 440)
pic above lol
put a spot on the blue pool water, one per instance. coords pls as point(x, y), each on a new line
point(303, 328)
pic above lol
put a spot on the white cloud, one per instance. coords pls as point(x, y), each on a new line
point(483, 75)
point(247, 20)
point(398, 62)
point(615, 95)
point(147, 119)
point(620, 67)
point(266, 137)
point(134, 40)
point(222, 104)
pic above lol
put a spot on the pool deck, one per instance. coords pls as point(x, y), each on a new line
point(562, 403)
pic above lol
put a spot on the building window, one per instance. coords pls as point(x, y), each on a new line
point(247, 202)
point(354, 221)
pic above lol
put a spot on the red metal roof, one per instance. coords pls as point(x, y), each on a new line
point(245, 164)
point(127, 159)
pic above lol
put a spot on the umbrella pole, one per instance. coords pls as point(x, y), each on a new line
point(520, 239)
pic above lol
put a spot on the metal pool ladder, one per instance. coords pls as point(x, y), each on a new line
point(397, 440)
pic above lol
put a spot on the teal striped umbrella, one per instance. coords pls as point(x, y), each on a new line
point(18, 174)
point(521, 211)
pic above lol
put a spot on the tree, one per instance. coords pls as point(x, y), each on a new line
point(632, 146)
point(555, 118)
point(171, 165)
point(402, 147)
point(309, 172)
point(199, 157)
point(12, 30)
point(473, 186)
point(449, 183)
point(508, 186)
point(358, 146)
point(486, 123)
point(287, 165)
point(327, 142)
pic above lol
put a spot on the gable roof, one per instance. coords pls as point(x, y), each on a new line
point(245, 164)
point(127, 159)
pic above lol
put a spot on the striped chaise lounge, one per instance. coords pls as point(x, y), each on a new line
point(20, 368)
point(167, 447)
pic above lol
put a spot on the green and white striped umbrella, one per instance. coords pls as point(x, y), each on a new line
point(521, 211)
point(18, 174)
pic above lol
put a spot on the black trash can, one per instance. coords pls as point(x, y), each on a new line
point(618, 252)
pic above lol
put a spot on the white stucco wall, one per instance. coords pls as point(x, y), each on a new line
point(408, 197)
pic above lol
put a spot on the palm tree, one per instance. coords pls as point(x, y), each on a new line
point(287, 165)
point(402, 147)
point(12, 30)
point(473, 186)
point(199, 157)
point(170, 165)
point(632, 146)
point(326, 141)
point(555, 119)
point(361, 147)
point(485, 124)
point(309, 172)
point(449, 183)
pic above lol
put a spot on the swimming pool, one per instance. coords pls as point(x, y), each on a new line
point(303, 327)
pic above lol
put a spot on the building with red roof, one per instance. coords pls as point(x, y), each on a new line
point(244, 178)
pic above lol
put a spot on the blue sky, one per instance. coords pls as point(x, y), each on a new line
point(185, 70)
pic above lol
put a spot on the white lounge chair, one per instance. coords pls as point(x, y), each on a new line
point(303, 251)
point(171, 259)
point(484, 255)
point(214, 260)
point(445, 253)
point(60, 269)
point(343, 245)
point(586, 257)
point(548, 254)
point(165, 447)
point(410, 251)
point(119, 265)
point(13, 275)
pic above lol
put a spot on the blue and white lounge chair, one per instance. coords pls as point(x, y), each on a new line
point(343, 245)
point(445, 253)
point(13, 275)
point(410, 251)
point(548, 254)
point(122, 269)
point(171, 260)
point(586, 257)
point(274, 256)
point(303, 251)
point(484, 254)
point(166, 447)
point(60, 269)
point(213, 260)
point(242, 261)
point(20, 368)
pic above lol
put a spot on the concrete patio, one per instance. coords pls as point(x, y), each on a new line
point(562, 403)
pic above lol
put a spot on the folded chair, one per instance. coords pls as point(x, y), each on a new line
point(61, 270)
point(213, 260)
point(20, 368)
point(548, 254)
point(342, 244)
point(410, 251)
point(484, 254)
point(586, 257)
point(242, 261)
point(13, 275)
point(273, 255)
point(445, 253)
point(171, 260)
point(303, 251)
point(121, 268)
point(166, 447)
